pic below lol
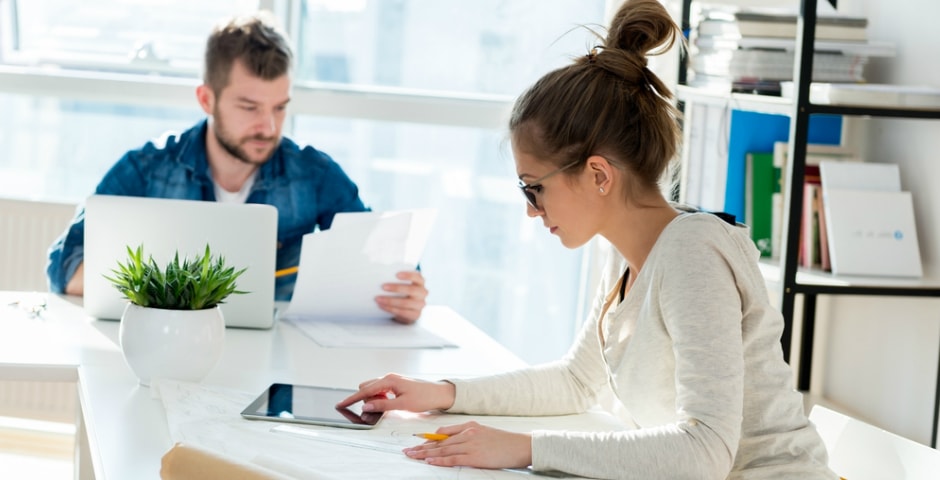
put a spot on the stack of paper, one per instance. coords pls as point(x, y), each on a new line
point(870, 220)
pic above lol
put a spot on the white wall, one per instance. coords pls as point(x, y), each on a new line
point(879, 354)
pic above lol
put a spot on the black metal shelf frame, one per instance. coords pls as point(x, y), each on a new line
point(812, 289)
point(861, 111)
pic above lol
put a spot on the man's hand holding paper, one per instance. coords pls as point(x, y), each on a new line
point(407, 299)
point(364, 266)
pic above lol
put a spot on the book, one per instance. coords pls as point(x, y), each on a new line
point(870, 220)
point(751, 24)
point(823, 237)
point(878, 95)
point(828, 27)
point(809, 231)
point(754, 131)
point(718, 27)
point(761, 180)
point(815, 155)
point(872, 233)
point(692, 160)
point(714, 179)
point(867, 48)
point(860, 176)
point(813, 236)
point(778, 18)
point(811, 174)
point(777, 65)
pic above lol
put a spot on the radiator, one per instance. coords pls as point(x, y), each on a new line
point(47, 401)
point(27, 229)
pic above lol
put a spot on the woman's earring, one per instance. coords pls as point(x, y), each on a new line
point(602, 189)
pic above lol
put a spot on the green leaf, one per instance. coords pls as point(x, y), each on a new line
point(191, 284)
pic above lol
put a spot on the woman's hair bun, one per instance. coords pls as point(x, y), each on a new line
point(640, 26)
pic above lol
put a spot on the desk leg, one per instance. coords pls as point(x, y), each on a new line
point(84, 468)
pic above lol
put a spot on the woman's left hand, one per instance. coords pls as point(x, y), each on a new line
point(408, 299)
point(473, 445)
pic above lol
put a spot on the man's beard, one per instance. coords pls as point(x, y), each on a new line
point(235, 149)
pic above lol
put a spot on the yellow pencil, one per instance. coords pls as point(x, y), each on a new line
point(432, 436)
point(285, 271)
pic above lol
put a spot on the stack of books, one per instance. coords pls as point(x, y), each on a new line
point(764, 188)
point(753, 52)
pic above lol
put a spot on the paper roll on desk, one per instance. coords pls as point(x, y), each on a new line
point(186, 462)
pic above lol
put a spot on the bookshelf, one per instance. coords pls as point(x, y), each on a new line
point(793, 280)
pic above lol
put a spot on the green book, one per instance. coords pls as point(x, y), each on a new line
point(761, 181)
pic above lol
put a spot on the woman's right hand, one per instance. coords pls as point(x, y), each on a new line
point(395, 392)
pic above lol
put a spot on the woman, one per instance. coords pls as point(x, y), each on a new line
point(686, 339)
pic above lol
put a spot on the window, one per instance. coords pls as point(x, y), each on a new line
point(409, 96)
point(166, 36)
point(58, 149)
point(485, 258)
point(485, 46)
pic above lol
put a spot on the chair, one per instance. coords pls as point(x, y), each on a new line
point(859, 451)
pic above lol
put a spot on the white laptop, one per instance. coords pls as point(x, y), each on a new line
point(244, 234)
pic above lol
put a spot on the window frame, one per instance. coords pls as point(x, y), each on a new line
point(169, 88)
point(8, 27)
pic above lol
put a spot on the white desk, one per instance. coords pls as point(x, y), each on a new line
point(127, 432)
point(123, 431)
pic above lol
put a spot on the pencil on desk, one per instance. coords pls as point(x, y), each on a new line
point(285, 271)
point(432, 436)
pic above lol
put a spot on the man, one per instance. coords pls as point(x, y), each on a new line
point(238, 154)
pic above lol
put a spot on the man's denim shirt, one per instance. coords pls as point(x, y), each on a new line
point(306, 185)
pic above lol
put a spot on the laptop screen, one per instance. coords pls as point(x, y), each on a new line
point(245, 235)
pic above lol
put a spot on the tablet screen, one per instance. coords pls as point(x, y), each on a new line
point(309, 404)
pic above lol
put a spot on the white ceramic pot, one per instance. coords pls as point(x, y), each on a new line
point(175, 344)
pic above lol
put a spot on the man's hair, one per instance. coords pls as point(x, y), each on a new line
point(252, 39)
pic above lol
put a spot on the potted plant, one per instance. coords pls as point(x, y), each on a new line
point(172, 326)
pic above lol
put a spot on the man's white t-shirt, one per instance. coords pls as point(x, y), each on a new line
point(224, 196)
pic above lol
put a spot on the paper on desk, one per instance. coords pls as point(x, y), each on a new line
point(380, 446)
point(342, 269)
point(369, 332)
point(207, 416)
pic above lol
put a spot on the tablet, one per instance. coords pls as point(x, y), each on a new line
point(309, 404)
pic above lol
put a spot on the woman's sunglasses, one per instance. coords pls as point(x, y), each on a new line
point(530, 189)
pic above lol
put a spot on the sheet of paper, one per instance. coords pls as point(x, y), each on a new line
point(208, 417)
point(342, 269)
point(368, 332)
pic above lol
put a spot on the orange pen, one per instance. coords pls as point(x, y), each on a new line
point(285, 271)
